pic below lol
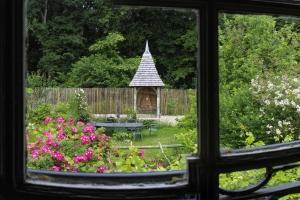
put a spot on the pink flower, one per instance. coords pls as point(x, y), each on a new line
point(89, 129)
point(100, 169)
point(78, 159)
point(45, 149)
point(56, 168)
point(48, 135)
point(141, 153)
point(80, 124)
point(59, 120)
point(89, 153)
point(57, 156)
point(61, 135)
point(47, 120)
point(93, 137)
point(71, 121)
point(50, 142)
point(84, 140)
point(33, 145)
point(54, 144)
point(35, 154)
point(68, 166)
point(104, 137)
point(74, 130)
point(74, 170)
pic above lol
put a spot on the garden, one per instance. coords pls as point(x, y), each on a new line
point(259, 93)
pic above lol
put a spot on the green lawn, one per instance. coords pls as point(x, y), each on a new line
point(165, 135)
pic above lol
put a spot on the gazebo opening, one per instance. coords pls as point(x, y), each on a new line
point(146, 100)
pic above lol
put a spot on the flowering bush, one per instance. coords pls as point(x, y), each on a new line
point(63, 145)
point(279, 101)
point(79, 106)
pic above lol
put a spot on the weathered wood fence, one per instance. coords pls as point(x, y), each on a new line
point(114, 100)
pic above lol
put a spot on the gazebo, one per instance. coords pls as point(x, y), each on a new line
point(147, 85)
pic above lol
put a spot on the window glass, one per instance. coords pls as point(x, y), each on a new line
point(259, 80)
point(109, 90)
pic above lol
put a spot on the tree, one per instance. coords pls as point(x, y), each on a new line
point(60, 32)
point(104, 67)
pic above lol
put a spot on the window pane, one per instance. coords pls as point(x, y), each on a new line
point(259, 80)
point(110, 90)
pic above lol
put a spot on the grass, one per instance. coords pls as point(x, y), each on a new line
point(165, 135)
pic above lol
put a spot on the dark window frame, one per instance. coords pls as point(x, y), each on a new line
point(203, 169)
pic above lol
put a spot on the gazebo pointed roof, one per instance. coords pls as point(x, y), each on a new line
point(146, 74)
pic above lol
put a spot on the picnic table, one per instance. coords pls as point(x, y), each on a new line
point(135, 127)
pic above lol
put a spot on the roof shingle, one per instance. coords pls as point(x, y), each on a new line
point(146, 74)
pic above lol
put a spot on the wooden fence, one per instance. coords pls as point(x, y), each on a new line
point(113, 100)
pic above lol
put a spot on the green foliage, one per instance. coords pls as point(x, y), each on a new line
point(60, 33)
point(149, 123)
point(131, 114)
point(279, 102)
point(62, 109)
point(252, 46)
point(38, 114)
point(63, 145)
point(241, 179)
point(189, 121)
point(108, 46)
point(188, 139)
point(37, 79)
point(131, 161)
point(104, 68)
point(261, 47)
point(76, 108)
point(171, 105)
point(122, 136)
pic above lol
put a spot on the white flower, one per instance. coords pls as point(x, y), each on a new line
point(267, 102)
point(270, 85)
point(269, 126)
point(298, 109)
point(278, 132)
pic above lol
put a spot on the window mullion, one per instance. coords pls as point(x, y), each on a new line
point(208, 99)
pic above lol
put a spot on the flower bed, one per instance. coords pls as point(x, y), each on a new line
point(64, 145)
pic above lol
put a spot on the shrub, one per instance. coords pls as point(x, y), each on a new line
point(79, 106)
point(122, 136)
point(64, 145)
point(62, 109)
point(189, 121)
point(278, 98)
point(131, 114)
point(188, 139)
point(38, 114)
